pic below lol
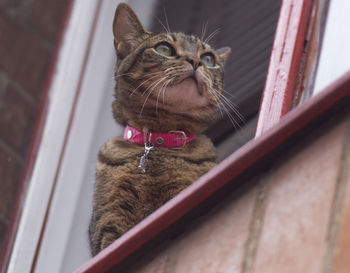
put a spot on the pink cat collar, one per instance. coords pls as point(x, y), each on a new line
point(171, 139)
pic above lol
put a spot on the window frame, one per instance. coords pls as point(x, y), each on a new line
point(272, 133)
point(33, 147)
point(68, 89)
point(45, 155)
point(285, 68)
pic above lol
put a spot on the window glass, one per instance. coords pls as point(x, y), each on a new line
point(327, 52)
point(335, 54)
point(247, 27)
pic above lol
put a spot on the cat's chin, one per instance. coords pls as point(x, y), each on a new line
point(185, 95)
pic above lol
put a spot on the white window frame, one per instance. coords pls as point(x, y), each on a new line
point(78, 121)
point(335, 54)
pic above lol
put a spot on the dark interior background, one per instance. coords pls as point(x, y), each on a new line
point(248, 27)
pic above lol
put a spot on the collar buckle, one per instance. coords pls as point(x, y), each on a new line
point(183, 137)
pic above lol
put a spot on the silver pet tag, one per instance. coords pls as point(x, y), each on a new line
point(143, 160)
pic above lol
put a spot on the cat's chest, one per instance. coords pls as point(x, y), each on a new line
point(156, 163)
point(117, 158)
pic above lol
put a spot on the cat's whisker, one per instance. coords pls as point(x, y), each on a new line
point(166, 20)
point(217, 100)
point(219, 97)
point(233, 121)
point(150, 92)
point(222, 114)
point(151, 87)
point(231, 103)
point(211, 35)
point(208, 81)
point(221, 107)
point(166, 86)
point(206, 78)
point(228, 94)
point(204, 30)
point(170, 70)
point(159, 92)
point(160, 22)
point(145, 81)
point(153, 73)
point(162, 91)
point(235, 124)
point(232, 106)
point(228, 106)
point(127, 74)
point(224, 98)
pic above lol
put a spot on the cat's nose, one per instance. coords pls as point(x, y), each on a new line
point(195, 62)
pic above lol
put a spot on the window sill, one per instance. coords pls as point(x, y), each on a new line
point(254, 154)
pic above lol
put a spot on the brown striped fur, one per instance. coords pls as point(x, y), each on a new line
point(162, 101)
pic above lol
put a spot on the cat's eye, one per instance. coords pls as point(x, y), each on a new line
point(208, 59)
point(165, 49)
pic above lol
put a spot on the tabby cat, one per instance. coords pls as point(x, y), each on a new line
point(168, 85)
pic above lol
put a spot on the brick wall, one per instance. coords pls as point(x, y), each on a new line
point(293, 217)
point(28, 37)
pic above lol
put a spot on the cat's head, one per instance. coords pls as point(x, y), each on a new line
point(165, 81)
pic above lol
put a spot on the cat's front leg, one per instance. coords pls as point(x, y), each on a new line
point(117, 210)
point(108, 229)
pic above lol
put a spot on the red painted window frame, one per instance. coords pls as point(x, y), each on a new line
point(276, 125)
point(284, 69)
point(26, 172)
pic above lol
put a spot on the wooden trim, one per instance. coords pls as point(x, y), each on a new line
point(33, 147)
point(311, 58)
point(68, 131)
point(284, 68)
point(35, 247)
point(226, 173)
point(62, 93)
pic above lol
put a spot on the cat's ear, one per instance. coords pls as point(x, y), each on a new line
point(224, 52)
point(126, 28)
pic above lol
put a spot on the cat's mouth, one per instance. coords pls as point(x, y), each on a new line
point(185, 95)
point(196, 82)
point(191, 78)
